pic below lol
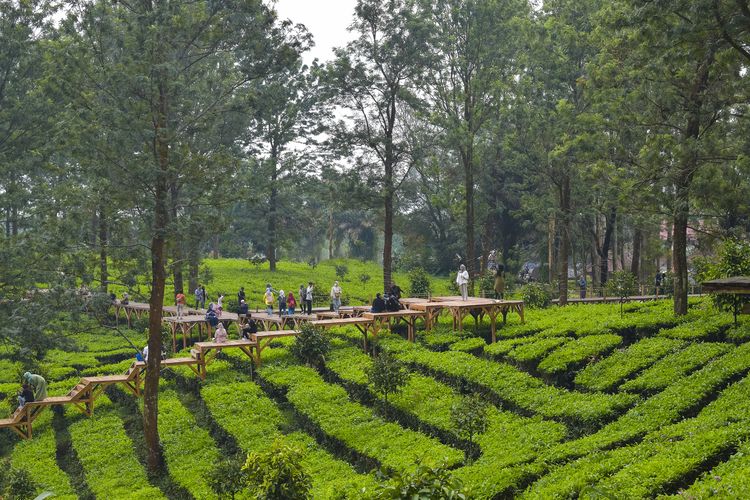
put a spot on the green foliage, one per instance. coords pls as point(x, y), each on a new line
point(19, 485)
point(425, 483)
point(341, 271)
point(311, 345)
point(469, 417)
point(364, 278)
point(277, 474)
point(622, 284)
point(578, 351)
point(537, 295)
point(733, 259)
point(486, 282)
point(419, 283)
point(471, 344)
point(387, 375)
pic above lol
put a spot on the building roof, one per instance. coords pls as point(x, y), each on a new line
point(735, 284)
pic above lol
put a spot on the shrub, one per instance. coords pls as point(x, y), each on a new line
point(387, 375)
point(364, 278)
point(486, 282)
point(419, 283)
point(277, 473)
point(469, 417)
point(19, 485)
point(622, 284)
point(341, 271)
point(473, 345)
point(229, 478)
point(424, 483)
point(537, 295)
point(311, 345)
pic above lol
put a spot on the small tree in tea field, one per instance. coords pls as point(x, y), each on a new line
point(311, 345)
point(277, 474)
point(469, 417)
point(387, 375)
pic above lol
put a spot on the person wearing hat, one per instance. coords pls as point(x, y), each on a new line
point(38, 383)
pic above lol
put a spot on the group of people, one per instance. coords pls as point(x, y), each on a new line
point(287, 302)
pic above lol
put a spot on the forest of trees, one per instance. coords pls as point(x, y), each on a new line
point(586, 136)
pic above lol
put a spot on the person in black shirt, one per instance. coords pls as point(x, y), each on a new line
point(378, 305)
point(392, 304)
point(243, 309)
point(250, 327)
point(395, 291)
point(241, 295)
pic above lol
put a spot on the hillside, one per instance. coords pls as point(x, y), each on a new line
point(583, 402)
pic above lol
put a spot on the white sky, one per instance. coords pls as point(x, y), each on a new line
point(327, 20)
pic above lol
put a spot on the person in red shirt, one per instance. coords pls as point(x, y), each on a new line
point(180, 300)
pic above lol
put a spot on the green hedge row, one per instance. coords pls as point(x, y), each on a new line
point(189, 450)
point(515, 386)
point(571, 354)
point(664, 457)
point(357, 426)
point(730, 479)
point(241, 408)
point(534, 351)
point(662, 409)
point(675, 366)
point(38, 457)
point(701, 328)
point(609, 372)
point(106, 454)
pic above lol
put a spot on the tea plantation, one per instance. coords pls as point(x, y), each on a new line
point(583, 402)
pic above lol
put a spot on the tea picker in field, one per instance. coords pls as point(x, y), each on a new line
point(336, 296)
point(462, 280)
point(38, 383)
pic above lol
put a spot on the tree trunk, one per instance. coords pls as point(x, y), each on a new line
point(670, 242)
point(272, 215)
point(635, 263)
point(551, 231)
point(469, 221)
point(615, 249)
point(595, 261)
point(193, 266)
point(103, 244)
point(156, 301)
point(177, 258)
point(564, 253)
point(388, 228)
point(330, 235)
point(610, 221)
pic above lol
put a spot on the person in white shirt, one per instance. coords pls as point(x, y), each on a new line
point(462, 280)
point(336, 296)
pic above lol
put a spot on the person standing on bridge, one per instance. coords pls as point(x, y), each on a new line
point(462, 280)
point(38, 383)
point(499, 285)
point(181, 302)
point(336, 296)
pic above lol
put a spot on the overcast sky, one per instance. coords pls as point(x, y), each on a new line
point(327, 20)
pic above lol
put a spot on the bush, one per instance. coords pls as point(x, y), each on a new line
point(341, 271)
point(537, 295)
point(229, 478)
point(19, 485)
point(311, 345)
point(419, 283)
point(469, 417)
point(387, 375)
point(486, 282)
point(277, 473)
point(424, 483)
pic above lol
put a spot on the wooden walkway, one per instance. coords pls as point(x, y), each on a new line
point(616, 300)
